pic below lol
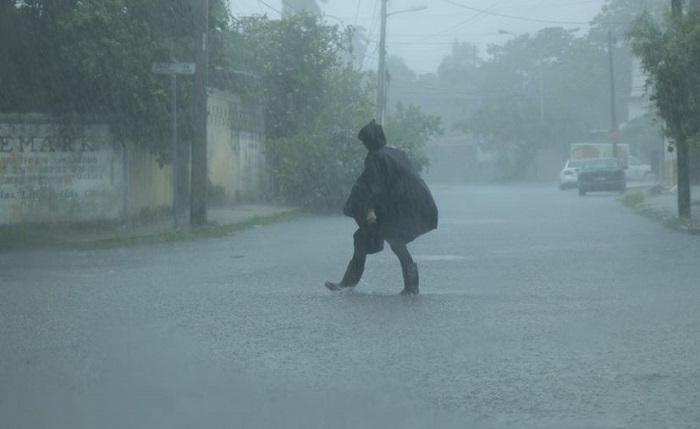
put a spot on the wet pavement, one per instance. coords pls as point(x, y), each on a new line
point(538, 309)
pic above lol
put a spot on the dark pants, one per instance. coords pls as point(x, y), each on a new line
point(357, 264)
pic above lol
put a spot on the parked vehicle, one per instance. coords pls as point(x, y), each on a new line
point(568, 177)
point(601, 174)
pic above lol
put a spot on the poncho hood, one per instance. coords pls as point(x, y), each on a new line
point(372, 136)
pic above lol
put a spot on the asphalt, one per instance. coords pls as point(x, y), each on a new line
point(539, 309)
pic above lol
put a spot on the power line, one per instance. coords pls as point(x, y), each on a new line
point(270, 7)
point(357, 12)
point(468, 20)
point(520, 18)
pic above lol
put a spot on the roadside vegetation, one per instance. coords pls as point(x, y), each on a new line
point(637, 200)
point(91, 60)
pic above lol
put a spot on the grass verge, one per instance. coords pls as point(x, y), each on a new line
point(637, 201)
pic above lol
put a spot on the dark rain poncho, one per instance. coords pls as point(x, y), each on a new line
point(391, 185)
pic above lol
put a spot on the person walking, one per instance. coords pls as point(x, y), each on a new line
point(389, 202)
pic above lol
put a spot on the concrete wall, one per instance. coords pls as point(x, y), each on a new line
point(236, 149)
point(222, 156)
point(51, 172)
point(150, 185)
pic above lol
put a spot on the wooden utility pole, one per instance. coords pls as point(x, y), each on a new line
point(199, 173)
point(682, 149)
point(381, 72)
point(614, 134)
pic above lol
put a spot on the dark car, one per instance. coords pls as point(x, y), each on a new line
point(601, 174)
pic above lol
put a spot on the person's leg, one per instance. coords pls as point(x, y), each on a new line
point(409, 268)
point(356, 267)
point(353, 273)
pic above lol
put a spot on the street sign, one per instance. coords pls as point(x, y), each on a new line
point(173, 68)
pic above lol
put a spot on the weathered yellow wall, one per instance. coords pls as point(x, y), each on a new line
point(150, 186)
point(222, 155)
point(47, 176)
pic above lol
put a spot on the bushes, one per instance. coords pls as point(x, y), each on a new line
point(316, 170)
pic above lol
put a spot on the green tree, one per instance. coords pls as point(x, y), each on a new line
point(617, 16)
point(539, 91)
point(92, 59)
point(511, 127)
point(315, 167)
point(451, 93)
point(670, 54)
point(409, 128)
point(292, 57)
point(315, 102)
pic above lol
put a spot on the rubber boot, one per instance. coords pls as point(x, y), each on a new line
point(352, 274)
point(410, 280)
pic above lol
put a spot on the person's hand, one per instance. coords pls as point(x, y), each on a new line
point(371, 216)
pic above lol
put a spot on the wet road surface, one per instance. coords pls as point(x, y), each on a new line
point(538, 309)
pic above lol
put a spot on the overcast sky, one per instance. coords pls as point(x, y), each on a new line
point(422, 38)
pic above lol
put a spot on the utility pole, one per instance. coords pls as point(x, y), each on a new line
point(541, 67)
point(614, 133)
point(381, 73)
point(682, 149)
point(199, 176)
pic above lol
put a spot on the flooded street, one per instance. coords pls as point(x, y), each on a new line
point(538, 309)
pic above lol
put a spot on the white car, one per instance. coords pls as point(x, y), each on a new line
point(568, 177)
point(636, 170)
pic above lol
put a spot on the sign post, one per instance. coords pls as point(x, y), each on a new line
point(174, 69)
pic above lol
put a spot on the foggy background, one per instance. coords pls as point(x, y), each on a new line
point(423, 38)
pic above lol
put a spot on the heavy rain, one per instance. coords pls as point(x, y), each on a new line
point(349, 214)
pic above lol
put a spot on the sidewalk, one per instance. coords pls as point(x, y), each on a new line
point(220, 221)
point(664, 204)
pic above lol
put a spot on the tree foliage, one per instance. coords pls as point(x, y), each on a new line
point(542, 91)
point(560, 76)
point(293, 57)
point(409, 128)
point(670, 56)
point(316, 166)
point(316, 101)
point(451, 94)
point(92, 59)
